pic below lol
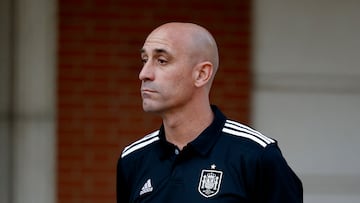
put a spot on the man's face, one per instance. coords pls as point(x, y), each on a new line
point(166, 75)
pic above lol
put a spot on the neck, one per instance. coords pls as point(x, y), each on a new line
point(184, 125)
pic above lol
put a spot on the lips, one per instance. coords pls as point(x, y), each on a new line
point(146, 93)
point(147, 90)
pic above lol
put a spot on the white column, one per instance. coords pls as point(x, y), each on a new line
point(34, 97)
point(307, 91)
point(5, 88)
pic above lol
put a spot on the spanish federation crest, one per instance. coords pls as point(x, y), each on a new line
point(210, 180)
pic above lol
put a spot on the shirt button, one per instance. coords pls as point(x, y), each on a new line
point(176, 151)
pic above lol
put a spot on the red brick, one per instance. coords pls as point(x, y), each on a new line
point(99, 106)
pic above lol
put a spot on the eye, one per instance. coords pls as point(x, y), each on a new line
point(162, 61)
point(143, 60)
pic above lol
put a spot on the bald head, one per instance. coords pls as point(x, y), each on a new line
point(191, 39)
point(179, 65)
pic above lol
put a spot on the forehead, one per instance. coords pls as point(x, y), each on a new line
point(158, 47)
point(163, 41)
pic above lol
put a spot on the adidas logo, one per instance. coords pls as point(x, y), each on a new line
point(147, 187)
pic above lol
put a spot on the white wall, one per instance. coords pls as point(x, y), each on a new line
point(307, 91)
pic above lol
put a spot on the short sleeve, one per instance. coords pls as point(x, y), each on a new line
point(277, 181)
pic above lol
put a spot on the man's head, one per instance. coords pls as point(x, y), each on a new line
point(179, 64)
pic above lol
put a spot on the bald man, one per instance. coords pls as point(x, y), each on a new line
point(198, 154)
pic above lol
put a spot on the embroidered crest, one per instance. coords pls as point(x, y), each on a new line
point(210, 181)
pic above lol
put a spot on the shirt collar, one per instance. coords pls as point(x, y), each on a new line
point(204, 142)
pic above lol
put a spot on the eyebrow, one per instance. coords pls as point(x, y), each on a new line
point(157, 51)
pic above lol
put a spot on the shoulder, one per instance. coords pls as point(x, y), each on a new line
point(241, 132)
point(141, 143)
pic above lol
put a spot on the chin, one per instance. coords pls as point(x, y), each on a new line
point(150, 109)
point(153, 109)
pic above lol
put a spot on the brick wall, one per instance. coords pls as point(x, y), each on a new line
point(99, 105)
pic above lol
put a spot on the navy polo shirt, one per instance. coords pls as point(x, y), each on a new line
point(228, 162)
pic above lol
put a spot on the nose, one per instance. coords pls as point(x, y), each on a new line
point(147, 72)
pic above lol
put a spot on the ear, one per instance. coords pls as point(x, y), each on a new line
point(202, 74)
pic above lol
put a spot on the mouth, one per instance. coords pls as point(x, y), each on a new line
point(147, 91)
